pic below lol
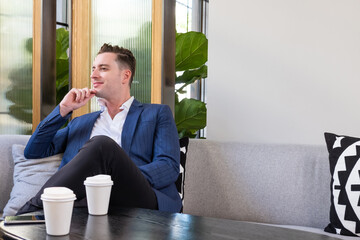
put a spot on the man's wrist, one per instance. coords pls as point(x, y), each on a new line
point(64, 111)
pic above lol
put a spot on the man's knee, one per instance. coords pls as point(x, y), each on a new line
point(106, 147)
point(98, 147)
point(103, 141)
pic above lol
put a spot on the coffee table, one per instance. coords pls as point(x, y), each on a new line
point(149, 224)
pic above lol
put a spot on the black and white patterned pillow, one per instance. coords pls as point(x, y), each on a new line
point(344, 154)
point(184, 142)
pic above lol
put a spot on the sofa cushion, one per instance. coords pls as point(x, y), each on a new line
point(272, 183)
point(29, 176)
point(344, 153)
point(7, 165)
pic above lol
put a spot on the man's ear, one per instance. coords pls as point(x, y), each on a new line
point(126, 76)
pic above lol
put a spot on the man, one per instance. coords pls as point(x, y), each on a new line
point(137, 144)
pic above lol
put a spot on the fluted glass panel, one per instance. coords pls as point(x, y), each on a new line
point(126, 23)
point(16, 66)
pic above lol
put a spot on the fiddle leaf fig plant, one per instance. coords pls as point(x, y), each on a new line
point(190, 59)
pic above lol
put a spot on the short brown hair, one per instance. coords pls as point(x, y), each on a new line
point(124, 56)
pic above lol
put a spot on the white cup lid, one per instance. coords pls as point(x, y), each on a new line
point(99, 180)
point(58, 193)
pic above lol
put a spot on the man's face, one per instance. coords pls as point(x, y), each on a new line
point(107, 78)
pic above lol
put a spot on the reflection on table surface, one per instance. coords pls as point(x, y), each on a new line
point(150, 224)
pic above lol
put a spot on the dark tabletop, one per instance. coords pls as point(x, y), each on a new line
point(150, 224)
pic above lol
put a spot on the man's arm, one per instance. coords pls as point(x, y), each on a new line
point(47, 139)
point(164, 169)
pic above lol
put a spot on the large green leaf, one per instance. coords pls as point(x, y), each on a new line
point(190, 76)
point(191, 50)
point(62, 43)
point(190, 114)
point(62, 69)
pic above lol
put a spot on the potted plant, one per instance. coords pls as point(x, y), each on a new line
point(190, 59)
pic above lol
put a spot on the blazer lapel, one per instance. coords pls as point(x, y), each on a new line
point(130, 125)
point(88, 122)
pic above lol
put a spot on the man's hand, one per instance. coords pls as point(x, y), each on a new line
point(75, 99)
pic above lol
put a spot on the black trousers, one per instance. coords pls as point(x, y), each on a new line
point(101, 155)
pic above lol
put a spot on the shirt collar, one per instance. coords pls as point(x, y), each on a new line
point(126, 105)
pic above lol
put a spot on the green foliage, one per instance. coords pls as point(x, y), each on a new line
point(190, 116)
point(190, 76)
point(191, 50)
point(62, 63)
point(191, 55)
point(62, 43)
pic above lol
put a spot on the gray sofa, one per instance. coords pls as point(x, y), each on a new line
point(285, 185)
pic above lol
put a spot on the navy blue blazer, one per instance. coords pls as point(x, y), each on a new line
point(149, 137)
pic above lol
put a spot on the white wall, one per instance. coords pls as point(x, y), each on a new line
point(283, 71)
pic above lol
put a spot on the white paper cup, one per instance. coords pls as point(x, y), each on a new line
point(58, 205)
point(98, 190)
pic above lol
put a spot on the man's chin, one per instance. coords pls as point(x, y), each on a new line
point(98, 94)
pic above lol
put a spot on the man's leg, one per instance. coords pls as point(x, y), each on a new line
point(101, 155)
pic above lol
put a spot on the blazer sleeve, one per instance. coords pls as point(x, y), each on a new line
point(164, 168)
point(48, 140)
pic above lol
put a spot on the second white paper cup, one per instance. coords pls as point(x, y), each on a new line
point(98, 190)
point(58, 205)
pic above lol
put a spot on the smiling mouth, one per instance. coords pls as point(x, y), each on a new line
point(96, 84)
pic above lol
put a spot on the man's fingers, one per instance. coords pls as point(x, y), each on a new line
point(80, 95)
point(75, 94)
point(75, 99)
point(87, 92)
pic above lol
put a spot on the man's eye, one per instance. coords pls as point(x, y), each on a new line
point(103, 69)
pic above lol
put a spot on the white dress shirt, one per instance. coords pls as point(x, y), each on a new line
point(112, 128)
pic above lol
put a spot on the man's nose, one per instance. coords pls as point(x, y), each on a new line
point(94, 74)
